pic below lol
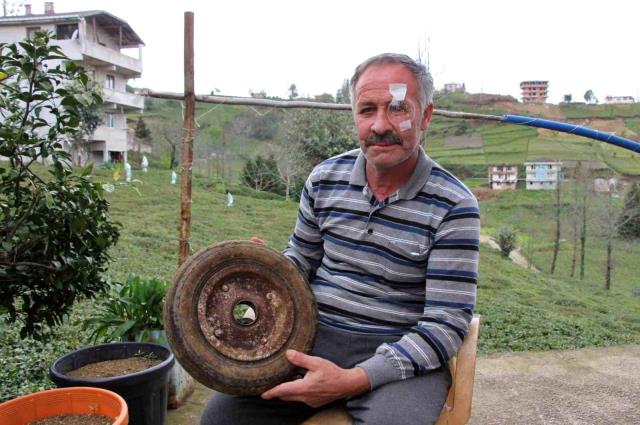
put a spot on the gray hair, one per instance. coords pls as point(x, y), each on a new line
point(422, 74)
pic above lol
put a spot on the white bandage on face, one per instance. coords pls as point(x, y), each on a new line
point(399, 111)
point(398, 91)
point(405, 125)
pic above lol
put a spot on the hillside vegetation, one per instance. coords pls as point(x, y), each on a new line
point(520, 310)
point(240, 132)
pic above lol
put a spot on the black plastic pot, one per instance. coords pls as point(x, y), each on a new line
point(145, 392)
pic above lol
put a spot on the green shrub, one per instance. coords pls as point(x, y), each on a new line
point(506, 238)
point(130, 311)
point(55, 228)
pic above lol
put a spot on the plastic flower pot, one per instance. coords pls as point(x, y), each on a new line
point(64, 401)
point(145, 392)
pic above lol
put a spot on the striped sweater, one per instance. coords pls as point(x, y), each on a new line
point(407, 266)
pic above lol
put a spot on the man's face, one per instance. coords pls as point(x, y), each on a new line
point(388, 115)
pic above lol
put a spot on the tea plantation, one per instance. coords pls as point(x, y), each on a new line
point(521, 310)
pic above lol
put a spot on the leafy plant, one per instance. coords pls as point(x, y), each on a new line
point(131, 311)
point(506, 238)
point(55, 229)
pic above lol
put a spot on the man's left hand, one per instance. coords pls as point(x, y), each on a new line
point(324, 382)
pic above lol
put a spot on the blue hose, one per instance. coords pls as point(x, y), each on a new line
point(574, 129)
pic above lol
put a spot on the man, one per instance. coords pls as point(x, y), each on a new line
point(389, 243)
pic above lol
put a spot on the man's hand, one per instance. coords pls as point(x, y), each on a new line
point(256, 239)
point(324, 382)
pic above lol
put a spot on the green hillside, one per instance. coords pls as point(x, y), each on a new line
point(521, 310)
point(229, 128)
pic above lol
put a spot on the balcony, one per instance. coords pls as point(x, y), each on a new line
point(99, 55)
point(115, 138)
point(128, 100)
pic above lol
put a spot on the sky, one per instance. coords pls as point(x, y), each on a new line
point(490, 45)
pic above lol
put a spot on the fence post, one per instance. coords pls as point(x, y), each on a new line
point(187, 141)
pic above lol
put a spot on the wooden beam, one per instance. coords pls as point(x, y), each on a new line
point(251, 101)
point(187, 141)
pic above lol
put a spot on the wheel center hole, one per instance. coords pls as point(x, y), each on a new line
point(245, 313)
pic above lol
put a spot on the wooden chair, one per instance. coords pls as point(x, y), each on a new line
point(457, 407)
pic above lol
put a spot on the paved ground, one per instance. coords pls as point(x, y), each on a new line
point(580, 387)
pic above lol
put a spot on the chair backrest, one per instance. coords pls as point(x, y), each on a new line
point(457, 408)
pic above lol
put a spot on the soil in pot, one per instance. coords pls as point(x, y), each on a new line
point(109, 368)
point(74, 420)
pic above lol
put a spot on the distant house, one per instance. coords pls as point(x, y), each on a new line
point(605, 185)
point(94, 39)
point(503, 177)
point(454, 88)
point(534, 91)
point(543, 174)
point(619, 99)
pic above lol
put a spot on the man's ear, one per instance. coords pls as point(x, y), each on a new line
point(426, 117)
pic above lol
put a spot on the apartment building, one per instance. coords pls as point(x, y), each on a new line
point(543, 174)
point(97, 41)
point(454, 88)
point(503, 177)
point(534, 91)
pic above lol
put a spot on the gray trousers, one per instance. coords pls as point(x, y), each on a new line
point(417, 400)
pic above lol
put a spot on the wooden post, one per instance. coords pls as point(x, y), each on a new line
point(187, 141)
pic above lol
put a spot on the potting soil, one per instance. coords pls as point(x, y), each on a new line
point(112, 368)
point(74, 420)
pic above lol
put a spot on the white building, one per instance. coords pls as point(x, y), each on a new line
point(503, 177)
point(94, 39)
point(619, 99)
point(543, 174)
point(454, 88)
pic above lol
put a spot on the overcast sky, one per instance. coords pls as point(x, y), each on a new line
point(489, 45)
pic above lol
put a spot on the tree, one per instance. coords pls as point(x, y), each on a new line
point(11, 8)
point(558, 213)
point(578, 214)
point(317, 135)
point(90, 114)
point(55, 231)
point(142, 131)
point(169, 133)
point(262, 174)
point(590, 97)
point(506, 237)
point(342, 95)
point(629, 220)
point(324, 97)
point(567, 98)
point(293, 91)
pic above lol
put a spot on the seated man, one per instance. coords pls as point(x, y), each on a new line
point(389, 241)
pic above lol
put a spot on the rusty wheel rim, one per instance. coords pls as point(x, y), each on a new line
point(241, 355)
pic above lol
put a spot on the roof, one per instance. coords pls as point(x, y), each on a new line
point(543, 161)
point(103, 19)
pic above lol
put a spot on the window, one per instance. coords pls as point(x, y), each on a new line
point(66, 31)
point(110, 120)
point(31, 32)
point(111, 82)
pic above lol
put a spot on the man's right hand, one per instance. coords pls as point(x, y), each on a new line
point(257, 240)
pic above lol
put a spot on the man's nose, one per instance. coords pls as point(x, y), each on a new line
point(381, 124)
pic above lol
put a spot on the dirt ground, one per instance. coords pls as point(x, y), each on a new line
point(578, 387)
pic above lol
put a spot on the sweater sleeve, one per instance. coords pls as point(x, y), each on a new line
point(450, 297)
point(305, 247)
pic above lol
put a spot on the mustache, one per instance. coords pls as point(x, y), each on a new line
point(388, 138)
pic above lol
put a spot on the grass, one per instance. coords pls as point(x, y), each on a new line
point(521, 310)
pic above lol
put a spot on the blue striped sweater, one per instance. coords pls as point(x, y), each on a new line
point(407, 266)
